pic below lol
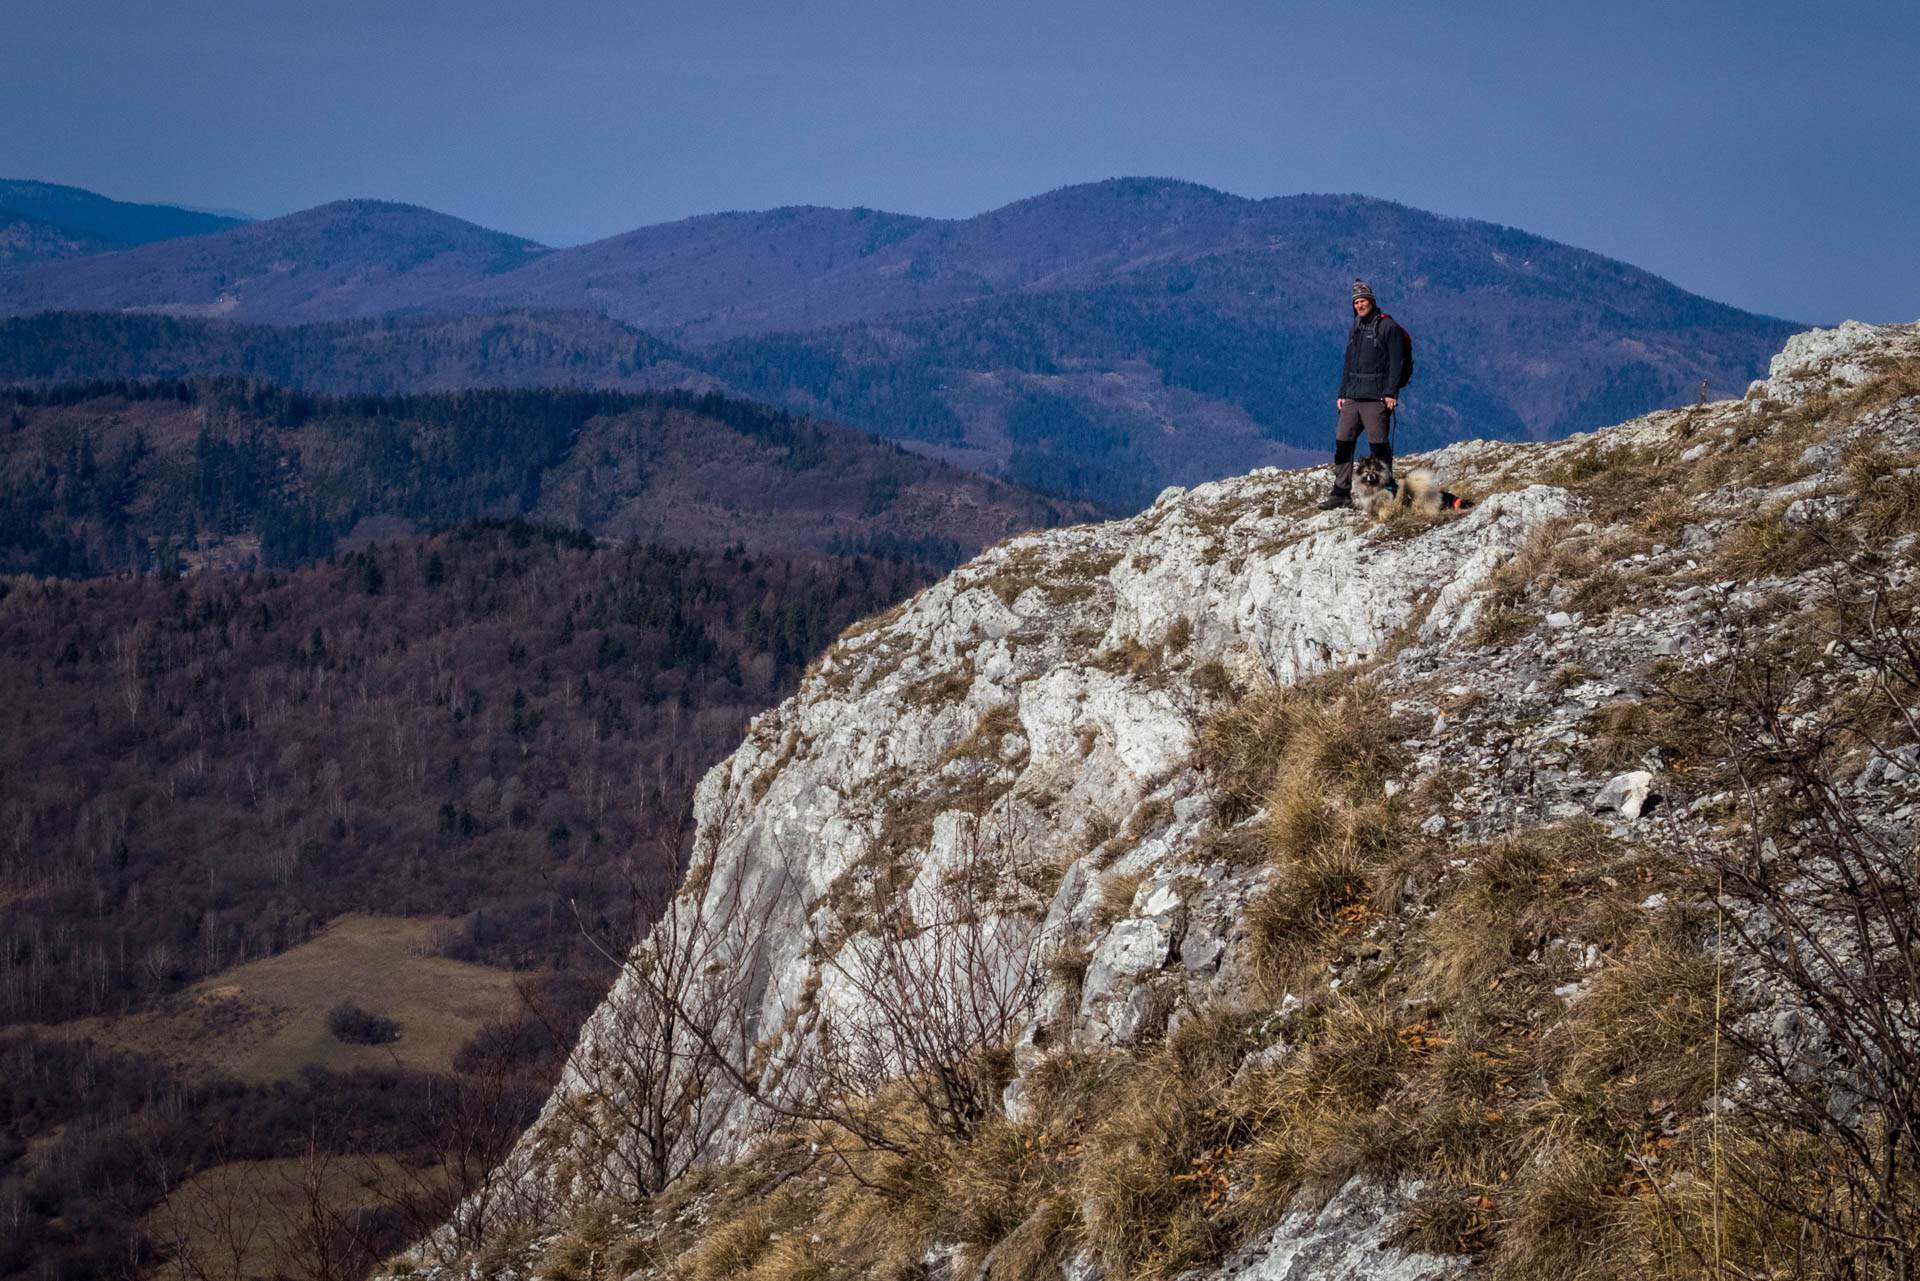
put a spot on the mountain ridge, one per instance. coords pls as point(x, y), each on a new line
point(340, 260)
point(1102, 340)
point(117, 222)
point(106, 478)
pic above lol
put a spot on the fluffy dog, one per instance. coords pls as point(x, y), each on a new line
point(1420, 490)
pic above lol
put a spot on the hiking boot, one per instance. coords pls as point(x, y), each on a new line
point(1335, 501)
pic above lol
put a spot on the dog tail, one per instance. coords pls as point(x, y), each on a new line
point(1424, 490)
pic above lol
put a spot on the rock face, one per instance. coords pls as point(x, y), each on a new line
point(1095, 648)
point(1047, 698)
point(1828, 360)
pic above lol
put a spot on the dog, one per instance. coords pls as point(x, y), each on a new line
point(1376, 494)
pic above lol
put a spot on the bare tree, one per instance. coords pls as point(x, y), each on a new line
point(448, 1196)
point(922, 1004)
point(906, 1038)
point(651, 1058)
point(644, 1092)
point(325, 1231)
point(1821, 901)
point(205, 1235)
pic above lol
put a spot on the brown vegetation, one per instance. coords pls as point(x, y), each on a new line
point(483, 727)
point(107, 477)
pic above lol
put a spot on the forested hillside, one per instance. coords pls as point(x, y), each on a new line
point(101, 477)
point(198, 771)
point(113, 223)
point(28, 240)
point(1101, 341)
point(496, 727)
point(391, 355)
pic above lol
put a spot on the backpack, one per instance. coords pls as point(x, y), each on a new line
point(1406, 351)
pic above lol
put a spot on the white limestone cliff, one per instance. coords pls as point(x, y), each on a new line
point(1055, 687)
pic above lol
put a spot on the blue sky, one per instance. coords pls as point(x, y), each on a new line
point(1763, 153)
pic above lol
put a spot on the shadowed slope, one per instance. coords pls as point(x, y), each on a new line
point(349, 258)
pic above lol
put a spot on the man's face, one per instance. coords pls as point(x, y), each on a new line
point(1362, 307)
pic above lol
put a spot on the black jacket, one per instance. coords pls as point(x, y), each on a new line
point(1375, 367)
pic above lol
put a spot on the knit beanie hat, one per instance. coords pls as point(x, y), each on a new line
point(1361, 289)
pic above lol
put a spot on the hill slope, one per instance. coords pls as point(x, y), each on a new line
point(341, 260)
point(100, 478)
point(491, 731)
point(97, 220)
point(1282, 893)
point(393, 355)
point(25, 241)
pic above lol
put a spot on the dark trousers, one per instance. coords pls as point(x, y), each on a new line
point(1377, 419)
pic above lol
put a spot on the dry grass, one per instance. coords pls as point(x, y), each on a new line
point(1618, 481)
point(1212, 679)
point(1893, 382)
point(764, 779)
point(1571, 881)
point(1070, 579)
point(945, 687)
point(1315, 757)
point(733, 1246)
point(1316, 1119)
point(1324, 895)
point(265, 1020)
point(1131, 658)
point(1154, 1173)
point(1888, 489)
point(984, 742)
point(1116, 897)
point(1502, 623)
point(1669, 512)
point(1767, 545)
point(1242, 846)
point(1620, 736)
point(1334, 726)
point(255, 1217)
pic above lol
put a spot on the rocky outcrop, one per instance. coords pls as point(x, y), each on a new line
point(1048, 697)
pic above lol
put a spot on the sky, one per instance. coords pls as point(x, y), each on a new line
point(1764, 153)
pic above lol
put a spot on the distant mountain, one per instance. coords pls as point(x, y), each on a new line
point(724, 275)
point(1101, 340)
point(1116, 312)
point(342, 260)
point(92, 217)
point(97, 479)
point(26, 241)
point(390, 355)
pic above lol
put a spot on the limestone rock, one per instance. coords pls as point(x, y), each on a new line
point(1345, 1239)
point(1036, 713)
point(1823, 359)
point(1625, 794)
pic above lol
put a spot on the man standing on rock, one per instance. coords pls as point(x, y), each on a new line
point(1377, 368)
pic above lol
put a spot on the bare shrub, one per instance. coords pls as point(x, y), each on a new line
point(351, 1025)
point(1819, 901)
point(904, 1044)
point(909, 1041)
point(642, 1100)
